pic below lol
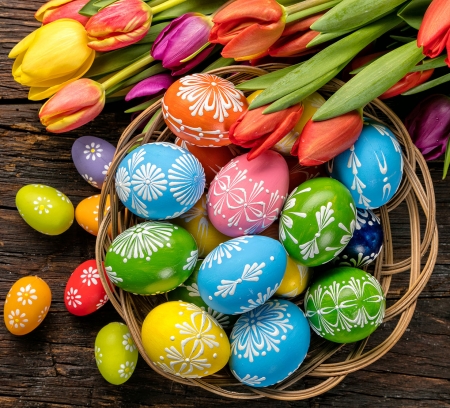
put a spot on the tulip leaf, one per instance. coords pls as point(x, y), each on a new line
point(326, 60)
point(437, 62)
point(199, 6)
point(144, 105)
point(446, 160)
point(89, 9)
point(311, 11)
point(427, 85)
point(219, 63)
point(154, 31)
point(371, 82)
point(403, 39)
point(359, 69)
point(152, 120)
point(350, 14)
point(324, 37)
point(412, 13)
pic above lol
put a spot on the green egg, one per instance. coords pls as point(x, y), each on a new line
point(45, 209)
point(116, 354)
point(150, 258)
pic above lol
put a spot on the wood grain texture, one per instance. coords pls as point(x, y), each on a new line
point(54, 366)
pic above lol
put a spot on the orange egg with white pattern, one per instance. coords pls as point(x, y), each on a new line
point(86, 213)
point(200, 108)
point(26, 305)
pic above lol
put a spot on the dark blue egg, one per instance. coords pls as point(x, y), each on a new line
point(366, 243)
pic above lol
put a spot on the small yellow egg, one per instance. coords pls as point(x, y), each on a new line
point(295, 280)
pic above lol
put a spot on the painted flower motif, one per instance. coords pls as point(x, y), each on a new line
point(106, 168)
point(90, 180)
point(128, 342)
point(126, 369)
point(186, 363)
point(260, 299)
point(123, 183)
point(102, 302)
point(98, 355)
point(93, 151)
point(149, 182)
point(42, 204)
point(224, 250)
point(73, 298)
point(17, 319)
point(113, 275)
point(42, 314)
point(247, 379)
point(26, 295)
point(89, 276)
point(191, 261)
point(63, 196)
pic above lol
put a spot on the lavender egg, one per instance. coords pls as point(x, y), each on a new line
point(92, 157)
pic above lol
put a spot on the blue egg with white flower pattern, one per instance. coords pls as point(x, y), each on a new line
point(366, 242)
point(372, 168)
point(242, 273)
point(269, 343)
point(159, 181)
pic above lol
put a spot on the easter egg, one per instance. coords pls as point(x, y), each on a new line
point(92, 157)
point(241, 273)
point(151, 257)
point(366, 243)
point(84, 293)
point(200, 108)
point(246, 196)
point(184, 340)
point(269, 343)
point(197, 223)
point(345, 304)
point(45, 209)
point(86, 213)
point(159, 181)
point(372, 168)
point(298, 174)
point(317, 221)
point(116, 354)
point(295, 279)
point(26, 305)
point(188, 292)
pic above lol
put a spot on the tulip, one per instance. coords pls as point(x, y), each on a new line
point(58, 9)
point(261, 132)
point(73, 106)
point(51, 57)
point(150, 87)
point(248, 28)
point(118, 25)
point(429, 125)
point(182, 38)
point(434, 31)
point(319, 142)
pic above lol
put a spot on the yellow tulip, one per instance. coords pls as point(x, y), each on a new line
point(51, 57)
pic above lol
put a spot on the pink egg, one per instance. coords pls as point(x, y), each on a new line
point(246, 197)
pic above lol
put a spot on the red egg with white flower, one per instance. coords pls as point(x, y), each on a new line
point(84, 292)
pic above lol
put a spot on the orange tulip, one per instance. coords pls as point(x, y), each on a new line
point(57, 9)
point(73, 106)
point(248, 28)
point(119, 25)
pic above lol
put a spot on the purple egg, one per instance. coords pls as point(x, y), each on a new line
point(92, 157)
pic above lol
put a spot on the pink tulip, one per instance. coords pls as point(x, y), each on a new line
point(58, 9)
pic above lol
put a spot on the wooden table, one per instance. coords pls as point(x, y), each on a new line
point(54, 366)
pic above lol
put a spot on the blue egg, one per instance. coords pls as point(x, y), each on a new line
point(366, 243)
point(372, 168)
point(269, 343)
point(159, 181)
point(242, 273)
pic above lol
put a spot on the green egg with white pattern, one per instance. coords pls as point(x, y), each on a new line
point(317, 221)
point(150, 258)
point(116, 353)
point(45, 209)
point(188, 292)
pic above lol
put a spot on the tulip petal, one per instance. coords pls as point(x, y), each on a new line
point(187, 66)
point(260, 10)
point(293, 45)
point(22, 45)
point(52, 4)
point(301, 25)
point(150, 86)
point(408, 82)
point(66, 9)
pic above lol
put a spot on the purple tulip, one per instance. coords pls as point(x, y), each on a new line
point(181, 38)
point(151, 86)
point(429, 125)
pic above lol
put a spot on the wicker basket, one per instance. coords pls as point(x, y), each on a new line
point(323, 360)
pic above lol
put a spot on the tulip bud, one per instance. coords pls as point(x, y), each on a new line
point(429, 125)
point(73, 106)
point(319, 142)
point(57, 9)
point(150, 87)
point(119, 25)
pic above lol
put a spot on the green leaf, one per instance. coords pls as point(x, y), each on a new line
point(371, 82)
point(199, 6)
point(437, 62)
point(326, 60)
point(143, 106)
point(324, 37)
point(446, 160)
point(152, 119)
point(154, 31)
point(402, 39)
point(219, 63)
point(428, 85)
point(351, 14)
point(412, 13)
point(311, 11)
point(89, 9)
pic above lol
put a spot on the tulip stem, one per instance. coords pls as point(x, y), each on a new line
point(303, 5)
point(128, 71)
point(166, 5)
point(298, 15)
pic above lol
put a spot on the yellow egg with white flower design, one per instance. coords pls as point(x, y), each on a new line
point(295, 279)
point(26, 305)
point(182, 339)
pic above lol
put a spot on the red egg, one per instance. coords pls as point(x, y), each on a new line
point(298, 174)
point(84, 292)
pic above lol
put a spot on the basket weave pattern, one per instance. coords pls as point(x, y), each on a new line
point(418, 195)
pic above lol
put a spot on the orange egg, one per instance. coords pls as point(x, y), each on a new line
point(201, 108)
point(86, 213)
point(26, 305)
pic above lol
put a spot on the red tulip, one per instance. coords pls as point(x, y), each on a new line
point(261, 132)
point(58, 9)
point(321, 141)
point(434, 32)
point(248, 28)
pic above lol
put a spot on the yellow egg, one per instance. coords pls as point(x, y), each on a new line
point(184, 340)
point(86, 213)
point(197, 223)
point(26, 305)
point(295, 280)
